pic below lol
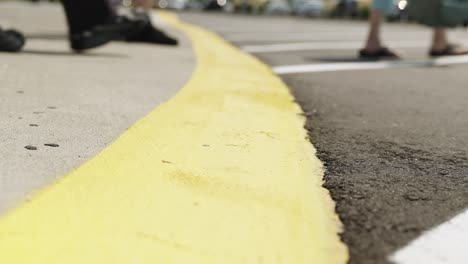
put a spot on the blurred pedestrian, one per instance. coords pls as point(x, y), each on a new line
point(91, 23)
point(375, 49)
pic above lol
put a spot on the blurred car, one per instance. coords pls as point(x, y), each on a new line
point(347, 8)
point(195, 5)
point(215, 5)
point(210, 5)
point(278, 7)
point(307, 7)
point(249, 6)
point(172, 4)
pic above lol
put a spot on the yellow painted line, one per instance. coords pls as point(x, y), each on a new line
point(221, 173)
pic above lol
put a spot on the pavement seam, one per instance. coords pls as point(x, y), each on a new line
point(221, 173)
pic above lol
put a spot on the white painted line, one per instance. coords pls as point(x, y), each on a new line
point(350, 66)
point(446, 244)
point(329, 45)
point(445, 61)
point(325, 45)
point(310, 34)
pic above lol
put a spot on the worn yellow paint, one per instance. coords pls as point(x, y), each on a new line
point(221, 173)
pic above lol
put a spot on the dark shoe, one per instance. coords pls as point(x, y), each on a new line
point(152, 35)
point(11, 41)
point(149, 33)
point(450, 50)
point(116, 29)
point(382, 53)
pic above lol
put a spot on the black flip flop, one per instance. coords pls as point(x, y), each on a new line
point(382, 53)
point(450, 50)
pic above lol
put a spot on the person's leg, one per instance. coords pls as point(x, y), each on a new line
point(93, 23)
point(150, 33)
point(374, 47)
point(374, 42)
point(439, 39)
point(85, 14)
point(442, 47)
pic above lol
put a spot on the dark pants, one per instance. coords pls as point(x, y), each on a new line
point(84, 14)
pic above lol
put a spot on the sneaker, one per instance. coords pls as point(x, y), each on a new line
point(149, 33)
point(152, 35)
point(116, 29)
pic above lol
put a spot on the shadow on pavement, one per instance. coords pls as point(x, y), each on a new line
point(73, 54)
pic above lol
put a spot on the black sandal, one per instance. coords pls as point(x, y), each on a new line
point(382, 53)
point(11, 41)
point(450, 50)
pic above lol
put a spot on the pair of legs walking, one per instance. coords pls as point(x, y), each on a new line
point(374, 47)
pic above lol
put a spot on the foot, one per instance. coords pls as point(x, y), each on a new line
point(380, 53)
point(11, 41)
point(149, 33)
point(152, 35)
point(449, 50)
point(116, 29)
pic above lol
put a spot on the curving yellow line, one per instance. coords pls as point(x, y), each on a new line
point(221, 173)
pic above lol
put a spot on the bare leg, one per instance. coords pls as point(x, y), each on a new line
point(374, 49)
point(441, 46)
point(439, 39)
point(374, 42)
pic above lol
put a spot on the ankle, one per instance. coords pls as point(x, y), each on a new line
point(439, 46)
point(439, 39)
point(373, 46)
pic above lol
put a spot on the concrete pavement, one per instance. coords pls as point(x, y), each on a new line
point(229, 156)
point(82, 103)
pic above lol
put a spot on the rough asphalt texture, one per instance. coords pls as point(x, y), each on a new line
point(394, 141)
point(59, 109)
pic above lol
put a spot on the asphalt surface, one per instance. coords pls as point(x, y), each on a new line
point(64, 107)
point(393, 140)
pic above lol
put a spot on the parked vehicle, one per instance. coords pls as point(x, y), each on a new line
point(307, 7)
point(215, 5)
point(249, 6)
point(278, 7)
point(347, 8)
point(172, 4)
point(195, 5)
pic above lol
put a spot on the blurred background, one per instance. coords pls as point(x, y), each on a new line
point(355, 9)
